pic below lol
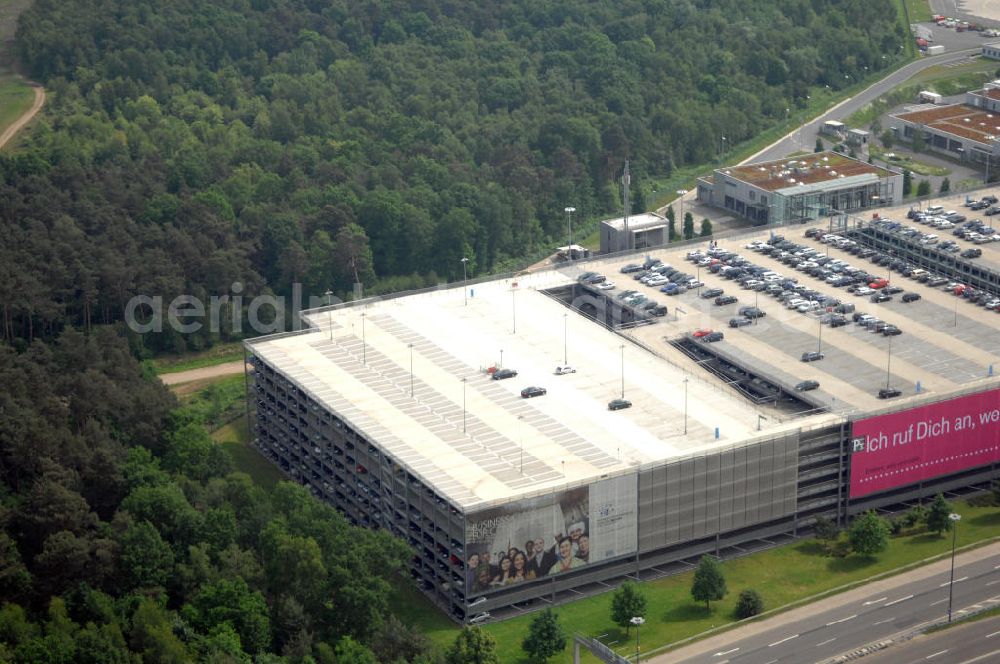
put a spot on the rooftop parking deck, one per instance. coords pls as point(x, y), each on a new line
point(357, 361)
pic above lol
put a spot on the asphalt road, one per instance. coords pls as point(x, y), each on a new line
point(804, 138)
point(976, 642)
point(854, 619)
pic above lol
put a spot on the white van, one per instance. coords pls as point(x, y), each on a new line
point(934, 209)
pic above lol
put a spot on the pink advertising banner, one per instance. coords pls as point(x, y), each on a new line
point(902, 448)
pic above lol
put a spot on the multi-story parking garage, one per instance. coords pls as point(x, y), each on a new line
point(387, 409)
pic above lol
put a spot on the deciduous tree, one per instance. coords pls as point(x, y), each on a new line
point(473, 646)
point(546, 637)
point(627, 602)
point(938, 520)
point(709, 584)
point(869, 534)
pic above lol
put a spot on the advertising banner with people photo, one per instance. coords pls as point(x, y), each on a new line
point(551, 534)
point(921, 443)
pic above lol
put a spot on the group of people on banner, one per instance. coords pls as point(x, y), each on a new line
point(487, 570)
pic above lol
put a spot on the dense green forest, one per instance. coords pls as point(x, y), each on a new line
point(125, 533)
point(191, 144)
point(188, 145)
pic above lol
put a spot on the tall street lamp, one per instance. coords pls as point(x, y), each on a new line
point(520, 436)
point(888, 363)
point(569, 225)
point(565, 338)
point(465, 281)
point(329, 313)
point(685, 406)
point(623, 370)
point(819, 342)
point(513, 311)
point(501, 359)
point(955, 518)
point(681, 193)
point(637, 621)
point(364, 342)
point(463, 406)
point(411, 370)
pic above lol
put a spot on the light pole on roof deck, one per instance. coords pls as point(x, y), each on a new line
point(685, 406)
point(329, 312)
point(623, 370)
point(569, 225)
point(465, 281)
point(565, 338)
point(364, 342)
point(411, 370)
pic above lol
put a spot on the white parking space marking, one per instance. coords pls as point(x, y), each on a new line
point(935, 654)
point(826, 642)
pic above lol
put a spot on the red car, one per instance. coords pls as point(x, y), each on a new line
point(879, 283)
point(698, 334)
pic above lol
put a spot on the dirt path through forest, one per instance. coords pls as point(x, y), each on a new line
point(204, 373)
point(36, 106)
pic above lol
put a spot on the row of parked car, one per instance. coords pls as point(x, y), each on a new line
point(982, 297)
point(833, 271)
point(972, 230)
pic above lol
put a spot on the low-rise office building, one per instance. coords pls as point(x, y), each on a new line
point(801, 188)
point(966, 131)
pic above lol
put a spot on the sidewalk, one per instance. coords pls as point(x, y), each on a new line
point(725, 640)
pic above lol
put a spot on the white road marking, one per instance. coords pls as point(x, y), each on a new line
point(988, 636)
point(901, 599)
point(939, 601)
point(778, 643)
point(727, 652)
point(990, 583)
point(875, 601)
point(989, 655)
point(956, 581)
point(935, 654)
point(882, 622)
point(835, 622)
point(826, 642)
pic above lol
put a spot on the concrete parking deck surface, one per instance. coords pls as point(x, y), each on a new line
point(499, 446)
